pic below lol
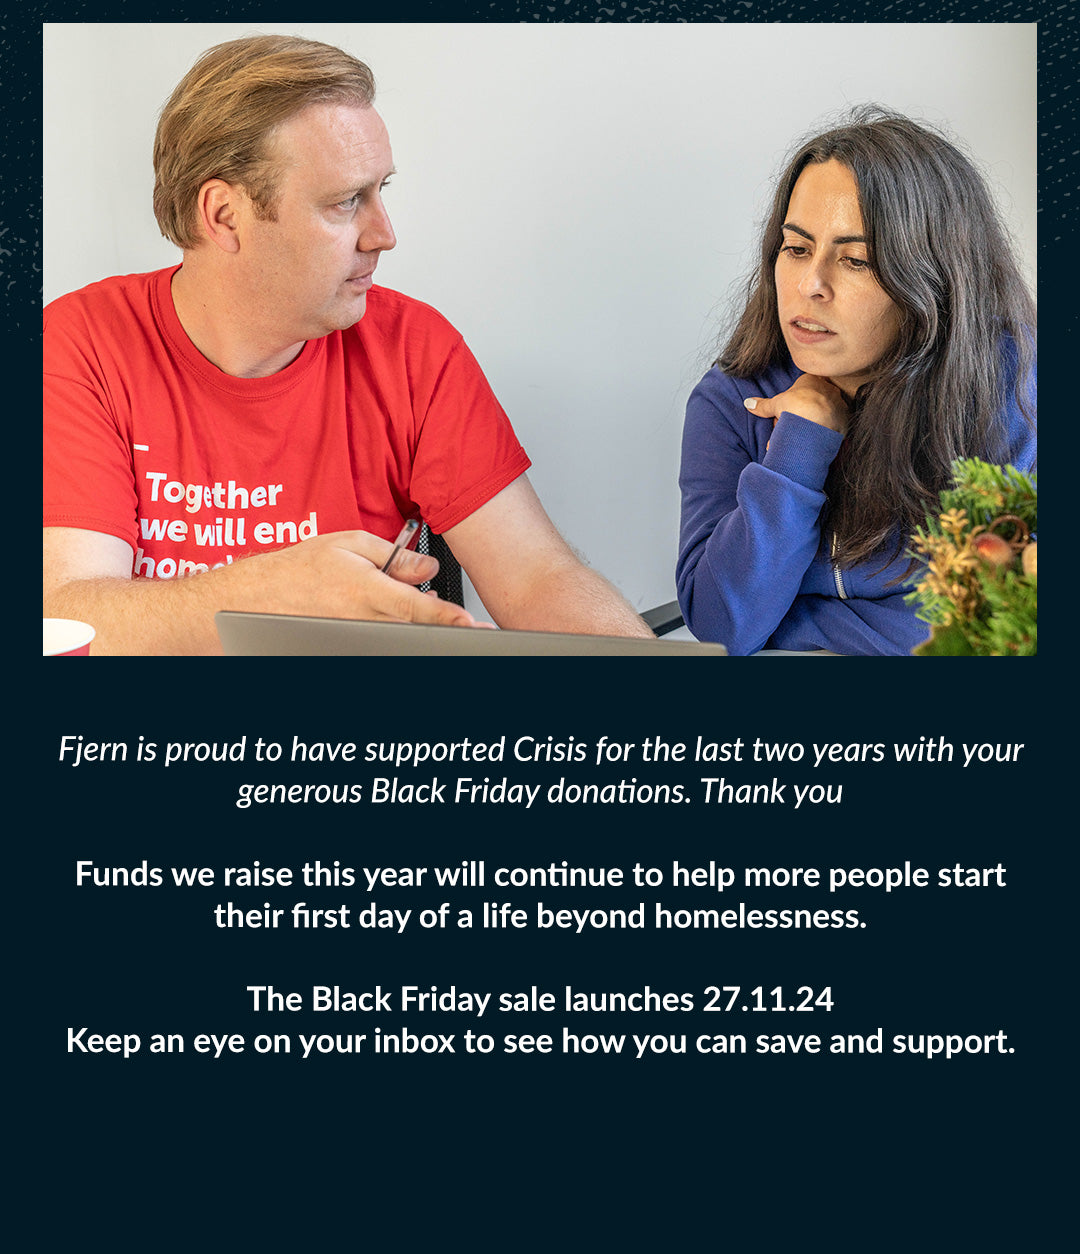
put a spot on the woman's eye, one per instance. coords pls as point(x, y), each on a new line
point(794, 250)
point(857, 263)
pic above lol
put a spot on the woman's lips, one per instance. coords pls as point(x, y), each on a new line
point(808, 331)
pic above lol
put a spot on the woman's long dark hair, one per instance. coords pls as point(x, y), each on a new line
point(939, 251)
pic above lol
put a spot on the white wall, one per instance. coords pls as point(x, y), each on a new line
point(578, 199)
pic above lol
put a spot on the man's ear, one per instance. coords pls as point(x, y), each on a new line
point(219, 206)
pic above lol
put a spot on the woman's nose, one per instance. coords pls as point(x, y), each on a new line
point(814, 281)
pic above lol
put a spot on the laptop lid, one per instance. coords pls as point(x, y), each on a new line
point(292, 635)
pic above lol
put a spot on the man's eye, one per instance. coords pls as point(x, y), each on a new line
point(354, 200)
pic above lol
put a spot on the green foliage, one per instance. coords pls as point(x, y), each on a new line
point(984, 492)
point(978, 589)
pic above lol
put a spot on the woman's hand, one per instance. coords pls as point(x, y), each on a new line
point(811, 397)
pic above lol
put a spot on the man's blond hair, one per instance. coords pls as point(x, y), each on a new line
point(219, 121)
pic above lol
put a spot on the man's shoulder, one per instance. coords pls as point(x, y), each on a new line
point(393, 314)
point(119, 292)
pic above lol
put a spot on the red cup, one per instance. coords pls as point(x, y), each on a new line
point(65, 637)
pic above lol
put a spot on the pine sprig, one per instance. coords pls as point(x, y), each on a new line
point(983, 492)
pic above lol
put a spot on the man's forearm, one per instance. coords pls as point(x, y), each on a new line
point(132, 616)
point(573, 598)
point(335, 576)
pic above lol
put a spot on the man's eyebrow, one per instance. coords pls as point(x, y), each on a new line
point(356, 189)
point(839, 239)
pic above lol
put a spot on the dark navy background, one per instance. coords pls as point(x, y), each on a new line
point(536, 1152)
point(523, 1153)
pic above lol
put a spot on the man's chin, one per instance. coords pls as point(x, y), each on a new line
point(346, 315)
point(355, 311)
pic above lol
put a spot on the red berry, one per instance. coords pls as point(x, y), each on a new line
point(993, 549)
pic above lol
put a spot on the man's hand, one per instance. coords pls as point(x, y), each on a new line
point(87, 575)
point(812, 398)
point(340, 576)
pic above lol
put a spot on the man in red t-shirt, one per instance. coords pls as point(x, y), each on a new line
point(249, 430)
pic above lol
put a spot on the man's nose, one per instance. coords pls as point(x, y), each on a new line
point(377, 235)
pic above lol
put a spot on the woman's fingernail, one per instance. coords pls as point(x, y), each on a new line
point(751, 402)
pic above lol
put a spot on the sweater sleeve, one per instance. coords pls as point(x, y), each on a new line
point(883, 626)
point(750, 522)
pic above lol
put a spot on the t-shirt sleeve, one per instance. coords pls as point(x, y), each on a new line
point(88, 481)
point(466, 451)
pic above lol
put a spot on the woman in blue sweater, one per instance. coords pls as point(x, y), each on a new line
point(886, 332)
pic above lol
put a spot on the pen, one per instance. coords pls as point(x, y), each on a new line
point(404, 536)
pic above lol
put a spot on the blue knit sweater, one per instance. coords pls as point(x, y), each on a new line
point(752, 570)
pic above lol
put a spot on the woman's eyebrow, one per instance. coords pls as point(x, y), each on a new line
point(839, 239)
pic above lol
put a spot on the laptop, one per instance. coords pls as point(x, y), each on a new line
point(292, 635)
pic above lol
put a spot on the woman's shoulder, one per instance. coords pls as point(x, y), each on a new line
point(1018, 377)
point(1018, 353)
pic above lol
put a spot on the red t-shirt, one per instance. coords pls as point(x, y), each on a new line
point(147, 441)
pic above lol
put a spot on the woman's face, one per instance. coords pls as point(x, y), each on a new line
point(836, 319)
